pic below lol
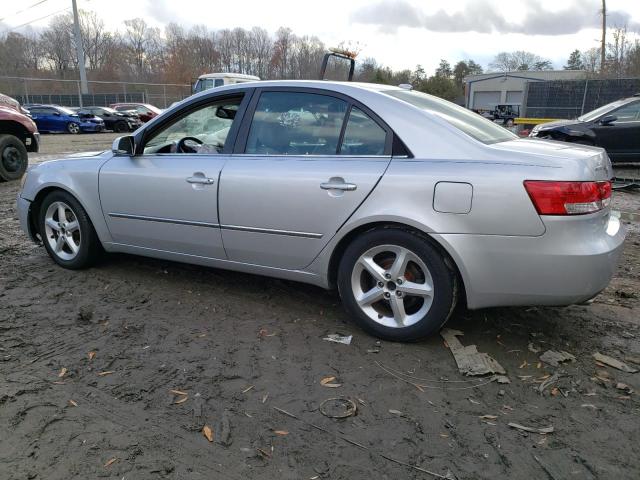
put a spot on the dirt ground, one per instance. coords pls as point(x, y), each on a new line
point(89, 359)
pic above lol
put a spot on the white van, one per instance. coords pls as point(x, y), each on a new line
point(212, 80)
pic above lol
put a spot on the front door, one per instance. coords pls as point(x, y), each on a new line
point(167, 197)
point(621, 138)
point(309, 161)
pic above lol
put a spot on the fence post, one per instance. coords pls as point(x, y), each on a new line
point(124, 88)
point(584, 96)
point(79, 94)
point(164, 95)
point(26, 91)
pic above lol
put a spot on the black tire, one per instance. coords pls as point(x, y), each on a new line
point(73, 128)
point(13, 158)
point(121, 127)
point(90, 248)
point(445, 288)
point(508, 123)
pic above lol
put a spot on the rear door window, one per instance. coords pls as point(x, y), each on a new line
point(296, 123)
point(363, 136)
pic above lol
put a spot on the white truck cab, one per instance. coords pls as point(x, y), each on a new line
point(212, 80)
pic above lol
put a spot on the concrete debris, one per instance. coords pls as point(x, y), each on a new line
point(612, 362)
point(541, 431)
point(334, 337)
point(554, 358)
point(468, 359)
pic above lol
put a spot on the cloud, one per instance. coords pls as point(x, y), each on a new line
point(483, 17)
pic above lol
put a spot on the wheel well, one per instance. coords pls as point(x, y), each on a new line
point(15, 129)
point(35, 208)
point(338, 252)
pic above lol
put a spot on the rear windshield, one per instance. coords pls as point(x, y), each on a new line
point(469, 122)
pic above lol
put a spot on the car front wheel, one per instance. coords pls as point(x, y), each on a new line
point(396, 285)
point(13, 158)
point(67, 232)
point(73, 127)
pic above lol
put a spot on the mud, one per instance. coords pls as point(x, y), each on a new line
point(241, 346)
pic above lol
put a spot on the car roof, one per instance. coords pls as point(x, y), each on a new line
point(228, 75)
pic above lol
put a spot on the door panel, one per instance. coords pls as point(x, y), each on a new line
point(148, 201)
point(274, 211)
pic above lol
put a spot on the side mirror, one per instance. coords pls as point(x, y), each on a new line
point(123, 146)
point(608, 119)
point(57, 114)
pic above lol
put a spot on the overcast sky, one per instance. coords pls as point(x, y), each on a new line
point(398, 33)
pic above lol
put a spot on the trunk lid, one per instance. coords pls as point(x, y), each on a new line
point(582, 162)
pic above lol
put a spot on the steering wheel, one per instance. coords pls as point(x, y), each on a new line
point(184, 147)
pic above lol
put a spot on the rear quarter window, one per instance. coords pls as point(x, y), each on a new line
point(465, 120)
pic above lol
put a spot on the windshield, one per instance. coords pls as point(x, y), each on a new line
point(66, 111)
point(593, 114)
point(469, 122)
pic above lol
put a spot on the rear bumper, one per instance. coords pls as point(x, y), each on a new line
point(570, 263)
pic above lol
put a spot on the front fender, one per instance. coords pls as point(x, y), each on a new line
point(79, 177)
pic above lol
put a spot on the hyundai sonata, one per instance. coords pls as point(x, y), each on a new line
point(406, 203)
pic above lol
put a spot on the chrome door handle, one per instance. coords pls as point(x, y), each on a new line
point(348, 187)
point(201, 180)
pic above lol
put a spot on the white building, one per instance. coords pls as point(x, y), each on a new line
point(487, 90)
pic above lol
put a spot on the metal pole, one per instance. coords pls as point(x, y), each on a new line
point(584, 97)
point(26, 92)
point(603, 42)
point(79, 50)
point(79, 95)
point(164, 94)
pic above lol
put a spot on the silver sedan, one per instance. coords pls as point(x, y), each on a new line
point(406, 203)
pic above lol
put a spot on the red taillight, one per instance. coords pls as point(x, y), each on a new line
point(568, 198)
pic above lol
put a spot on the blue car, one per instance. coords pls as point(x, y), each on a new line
point(53, 118)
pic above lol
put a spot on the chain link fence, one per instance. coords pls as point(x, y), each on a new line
point(66, 92)
point(571, 98)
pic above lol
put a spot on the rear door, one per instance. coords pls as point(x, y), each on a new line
point(166, 198)
point(306, 159)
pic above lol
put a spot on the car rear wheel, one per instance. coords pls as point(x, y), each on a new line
point(67, 232)
point(13, 158)
point(396, 285)
point(73, 127)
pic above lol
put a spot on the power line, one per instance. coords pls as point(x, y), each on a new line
point(37, 20)
point(23, 10)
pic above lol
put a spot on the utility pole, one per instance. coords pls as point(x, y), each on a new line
point(84, 88)
point(603, 43)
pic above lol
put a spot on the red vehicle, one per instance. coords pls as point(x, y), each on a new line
point(18, 135)
point(144, 110)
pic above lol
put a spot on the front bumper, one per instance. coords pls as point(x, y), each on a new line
point(92, 127)
point(24, 207)
point(570, 263)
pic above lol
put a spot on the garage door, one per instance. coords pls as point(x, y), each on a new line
point(514, 97)
point(485, 100)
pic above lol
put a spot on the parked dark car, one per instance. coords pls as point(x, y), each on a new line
point(54, 118)
point(113, 120)
point(18, 135)
point(615, 127)
point(144, 110)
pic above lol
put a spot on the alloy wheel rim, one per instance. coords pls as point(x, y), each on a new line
point(74, 128)
point(62, 230)
point(11, 160)
point(392, 286)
